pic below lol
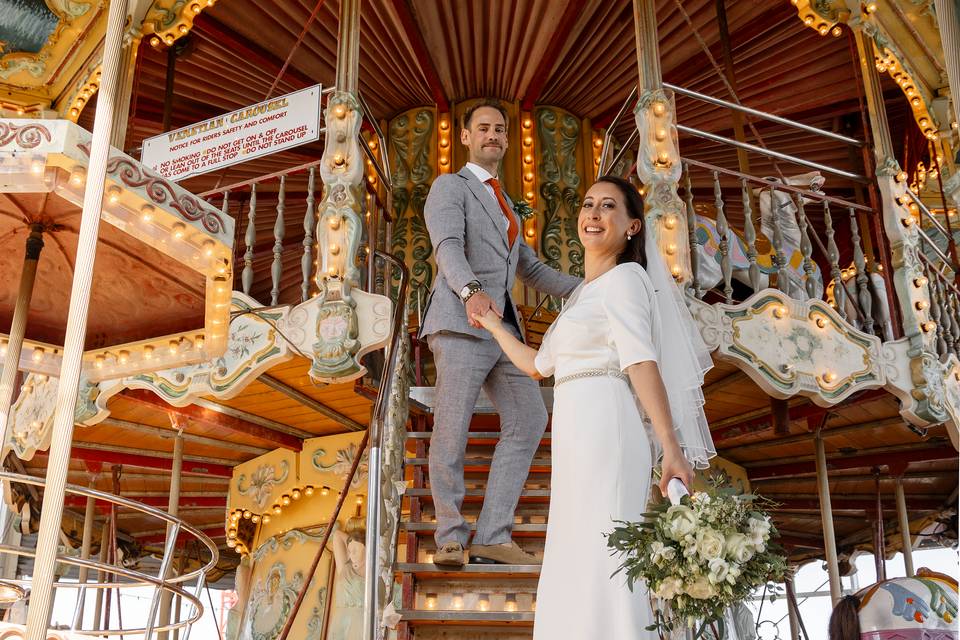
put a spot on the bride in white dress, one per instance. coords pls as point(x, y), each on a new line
point(624, 336)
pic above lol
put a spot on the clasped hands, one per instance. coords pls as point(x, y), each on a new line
point(482, 312)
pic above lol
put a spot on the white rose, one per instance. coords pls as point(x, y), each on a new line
point(759, 527)
point(739, 547)
point(660, 553)
point(718, 570)
point(680, 521)
point(710, 544)
point(669, 588)
point(701, 589)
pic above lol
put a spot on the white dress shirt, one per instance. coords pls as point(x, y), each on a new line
point(483, 175)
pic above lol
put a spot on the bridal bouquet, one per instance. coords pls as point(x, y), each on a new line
point(701, 556)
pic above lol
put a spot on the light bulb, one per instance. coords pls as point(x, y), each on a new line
point(295, 494)
point(148, 352)
point(178, 231)
point(431, 601)
point(123, 357)
point(277, 510)
point(308, 490)
point(254, 518)
point(670, 221)
point(324, 491)
point(37, 354)
point(146, 212)
point(266, 519)
point(174, 347)
point(247, 515)
point(285, 501)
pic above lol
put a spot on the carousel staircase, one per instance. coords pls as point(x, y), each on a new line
point(477, 601)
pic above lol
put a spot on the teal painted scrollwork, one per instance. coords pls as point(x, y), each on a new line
point(411, 138)
point(559, 138)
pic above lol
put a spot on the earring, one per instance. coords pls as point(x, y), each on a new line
point(629, 237)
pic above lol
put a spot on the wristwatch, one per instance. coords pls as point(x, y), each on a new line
point(469, 290)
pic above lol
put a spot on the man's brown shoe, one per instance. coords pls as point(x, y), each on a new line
point(450, 554)
point(507, 553)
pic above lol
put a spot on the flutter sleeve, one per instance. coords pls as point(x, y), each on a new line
point(628, 297)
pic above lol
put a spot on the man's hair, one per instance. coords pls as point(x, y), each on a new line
point(485, 102)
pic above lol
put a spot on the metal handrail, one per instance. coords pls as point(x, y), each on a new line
point(375, 431)
point(137, 578)
point(928, 214)
point(762, 114)
point(772, 154)
point(602, 167)
point(385, 174)
point(779, 186)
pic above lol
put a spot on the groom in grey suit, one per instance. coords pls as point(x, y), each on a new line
point(479, 252)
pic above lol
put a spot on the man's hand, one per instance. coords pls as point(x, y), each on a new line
point(478, 305)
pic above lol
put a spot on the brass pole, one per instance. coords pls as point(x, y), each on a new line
point(826, 516)
point(905, 537)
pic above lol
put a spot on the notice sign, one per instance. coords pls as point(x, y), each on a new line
point(258, 130)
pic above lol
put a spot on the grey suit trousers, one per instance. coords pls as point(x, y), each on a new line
point(464, 365)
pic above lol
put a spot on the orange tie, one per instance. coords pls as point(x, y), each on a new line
point(512, 227)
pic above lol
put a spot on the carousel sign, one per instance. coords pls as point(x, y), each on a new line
point(239, 136)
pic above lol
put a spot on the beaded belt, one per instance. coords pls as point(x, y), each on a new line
point(591, 373)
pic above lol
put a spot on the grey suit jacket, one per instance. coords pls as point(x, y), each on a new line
point(469, 241)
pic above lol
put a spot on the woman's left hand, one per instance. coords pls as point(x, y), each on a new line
point(675, 465)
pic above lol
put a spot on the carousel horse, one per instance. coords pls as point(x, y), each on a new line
point(920, 608)
point(782, 213)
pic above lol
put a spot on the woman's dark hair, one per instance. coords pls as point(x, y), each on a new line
point(845, 620)
point(636, 249)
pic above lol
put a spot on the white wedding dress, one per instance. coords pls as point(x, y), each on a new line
point(602, 458)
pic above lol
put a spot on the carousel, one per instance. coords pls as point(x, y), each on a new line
point(214, 398)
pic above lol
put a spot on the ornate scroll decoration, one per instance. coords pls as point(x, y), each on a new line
point(659, 168)
point(338, 238)
point(31, 420)
point(341, 467)
point(412, 137)
point(160, 190)
point(46, 43)
point(253, 346)
point(789, 347)
point(560, 188)
point(169, 20)
point(27, 136)
point(262, 482)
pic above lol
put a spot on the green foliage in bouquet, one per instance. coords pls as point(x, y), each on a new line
point(700, 557)
point(523, 210)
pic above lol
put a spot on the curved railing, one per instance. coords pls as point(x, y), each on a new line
point(175, 585)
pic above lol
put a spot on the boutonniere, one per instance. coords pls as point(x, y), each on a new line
point(523, 210)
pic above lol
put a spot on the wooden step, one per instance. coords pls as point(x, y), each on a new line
point(475, 437)
point(521, 618)
point(539, 465)
point(424, 399)
point(427, 570)
point(533, 530)
point(527, 496)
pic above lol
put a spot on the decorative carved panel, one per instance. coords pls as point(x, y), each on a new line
point(412, 141)
point(560, 172)
point(792, 348)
